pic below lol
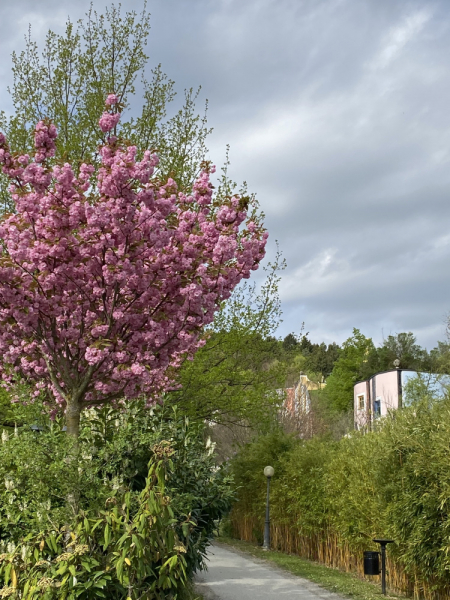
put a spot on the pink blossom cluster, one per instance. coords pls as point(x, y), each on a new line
point(109, 120)
point(111, 99)
point(44, 141)
point(106, 281)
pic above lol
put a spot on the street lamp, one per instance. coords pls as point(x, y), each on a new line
point(268, 472)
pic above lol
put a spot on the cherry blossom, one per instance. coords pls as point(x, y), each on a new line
point(107, 278)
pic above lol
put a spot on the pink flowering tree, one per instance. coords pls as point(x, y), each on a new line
point(107, 279)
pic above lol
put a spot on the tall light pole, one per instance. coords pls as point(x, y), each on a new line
point(268, 472)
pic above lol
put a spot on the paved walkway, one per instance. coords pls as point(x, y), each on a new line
point(232, 575)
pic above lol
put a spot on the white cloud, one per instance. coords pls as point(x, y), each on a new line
point(325, 273)
point(398, 37)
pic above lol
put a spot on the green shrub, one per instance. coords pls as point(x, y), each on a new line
point(248, 466)
point(120, 552)
point(129, 513)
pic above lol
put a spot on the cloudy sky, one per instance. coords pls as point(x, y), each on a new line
point(338, 117)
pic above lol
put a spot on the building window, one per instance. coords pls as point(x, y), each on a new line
point(361, 402)
point(377, 408)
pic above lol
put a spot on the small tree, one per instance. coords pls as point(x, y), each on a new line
point(107, 280)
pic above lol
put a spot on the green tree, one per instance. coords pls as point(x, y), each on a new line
point(68, 81)
point(402, 346)
point(290, 342)
point(306, 346)
point(321, 358)
point(440, 358)
point(355, 363)
point(317, 360)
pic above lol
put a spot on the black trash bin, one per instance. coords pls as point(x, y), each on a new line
point(371, 563)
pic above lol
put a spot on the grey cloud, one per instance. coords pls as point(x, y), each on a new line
point(337, 115)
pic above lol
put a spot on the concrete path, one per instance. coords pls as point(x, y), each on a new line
point(232, 575)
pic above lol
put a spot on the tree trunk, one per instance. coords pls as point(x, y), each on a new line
point(73, 413)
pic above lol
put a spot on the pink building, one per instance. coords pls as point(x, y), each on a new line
point(385, 392)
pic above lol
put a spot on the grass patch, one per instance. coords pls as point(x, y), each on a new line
point(189, 592)
point(345, 584)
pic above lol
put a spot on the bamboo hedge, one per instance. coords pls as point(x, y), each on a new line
point(329, 499)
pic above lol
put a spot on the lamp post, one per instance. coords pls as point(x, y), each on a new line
point(268, 472)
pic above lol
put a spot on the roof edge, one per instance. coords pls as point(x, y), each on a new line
point(392, 371)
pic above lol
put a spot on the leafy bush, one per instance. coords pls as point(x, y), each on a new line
point(199, 489)
point(127, 514)
point(119, 552)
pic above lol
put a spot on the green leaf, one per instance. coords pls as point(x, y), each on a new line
point(51, 542)
point(106, 536)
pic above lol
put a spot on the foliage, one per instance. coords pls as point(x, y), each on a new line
point(148, 493)
point(125, 552)
point(319, 358)
point(199, 490)
point(440, 357)
point(330, 499)
point(106, 282)
point(6, 414)
point(402, 346)
point(353, 365)
point(234, 377)
point(290, 342)
point(68, 81)
point(247, 468)
point(322, 358)
point(424, 388)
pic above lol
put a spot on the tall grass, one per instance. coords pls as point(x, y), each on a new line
point(329, 499)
